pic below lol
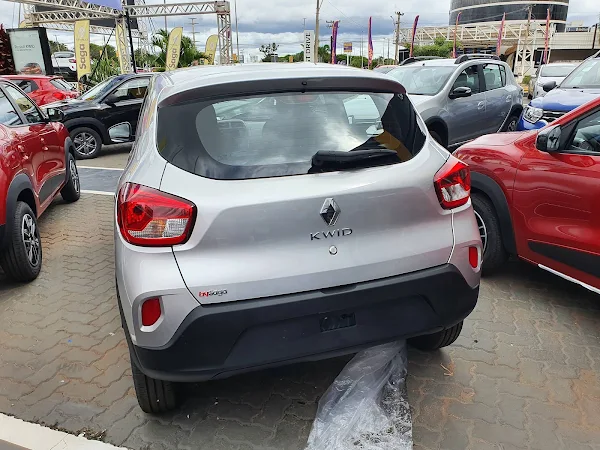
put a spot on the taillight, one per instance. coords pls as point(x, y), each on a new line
point(72, 60)
point(151, 311)
point(453, 183)
point(59, 95)
point(152, 218)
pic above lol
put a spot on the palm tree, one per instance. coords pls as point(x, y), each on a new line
point(324, 53)
point(187, 53)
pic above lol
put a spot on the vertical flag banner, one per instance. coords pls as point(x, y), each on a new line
point(414, 31)
point(500, 32)
point(309, 46)
point(547, 37)
point(211, 47)
point(82, 48)
point(370, 45)
point(174, 48)
point(334, 32)
point(122, 50)
point(454, 55)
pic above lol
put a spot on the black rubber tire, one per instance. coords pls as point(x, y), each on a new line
point(71, 191)
point(153, 396)
point(13, 258)
point(437, 340)
point(94, 153)
point(495, 254)
point(512, 119)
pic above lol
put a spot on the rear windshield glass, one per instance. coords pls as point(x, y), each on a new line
point(278, 134)
point(556, 71)
point(61, 84)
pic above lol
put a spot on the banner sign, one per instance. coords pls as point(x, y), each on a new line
point(500, 31)
point(370, 45)
point(82, 48)
point(347, 47)
point(334, 33)
point(455, 27)
point(122, 50)
point(174, 48)
point(546, 41)
point(31, 51)
point(309, 46)
point(211, 47)
point(414, 31)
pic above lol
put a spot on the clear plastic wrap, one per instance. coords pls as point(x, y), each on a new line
point(366, 407)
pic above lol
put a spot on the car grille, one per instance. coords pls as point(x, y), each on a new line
point(551, 116)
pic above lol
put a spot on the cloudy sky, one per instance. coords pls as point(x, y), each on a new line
point(264, 21)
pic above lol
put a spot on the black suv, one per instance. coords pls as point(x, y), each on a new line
point(106, 114)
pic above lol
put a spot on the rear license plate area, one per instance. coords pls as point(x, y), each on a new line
point(337, 321)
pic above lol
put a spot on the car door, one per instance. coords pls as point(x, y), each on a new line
point(466, 115)
point(129, 97)
point(498, 100)
point(557, 203)
point(39, 146)
point(10, 122)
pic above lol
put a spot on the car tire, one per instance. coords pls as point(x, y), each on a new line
point(437, 340)
point(20, 261)
point(511, 124)
point(154, 396)
point(87, 142)
point(71, 191)
point(494, 254)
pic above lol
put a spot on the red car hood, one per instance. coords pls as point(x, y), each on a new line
point(498, 139)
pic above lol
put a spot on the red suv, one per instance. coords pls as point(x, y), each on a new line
point(537, 195)
point(36, 164)
point(43, 89)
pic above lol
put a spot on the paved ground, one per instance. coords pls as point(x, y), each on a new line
point(524, 374)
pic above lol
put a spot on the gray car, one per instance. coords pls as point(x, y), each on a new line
point(464, 98)
point(267, 217)
point(554, 72)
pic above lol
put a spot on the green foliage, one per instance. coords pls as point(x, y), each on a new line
point(143, 58)
point(188, 53)
point(440, 47)
point(268, 50)
point(7, 65)
point(103, 69)
point(324, 53)
point(526, 79)
point(57, 47)
point(109, 53)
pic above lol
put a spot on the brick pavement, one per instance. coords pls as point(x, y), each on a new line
point(524, 374)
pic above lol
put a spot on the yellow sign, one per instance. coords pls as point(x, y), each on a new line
point(174, 48)
point(291, 58)
point(82, 48)
point(211, 47)
point(122, 47)
point(25, 24)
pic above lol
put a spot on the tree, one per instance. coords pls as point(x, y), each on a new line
point(187, 54)
point(7, 65)
point(440, 47)
point(96, 51)
point(268, 50)
point(324, 53)
point(57, 47)
point(143, 58)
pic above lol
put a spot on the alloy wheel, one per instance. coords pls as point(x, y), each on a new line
point(85, 143)
point(512, 126)
point(483, 233)
point(74, 175)
point(31, 239)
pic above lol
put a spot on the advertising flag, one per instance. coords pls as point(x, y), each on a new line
point(547, 40)
point(174, 48)
point(500, 32)
point(82, 48)
point(309, 46)
point(122, 50)
point(334, 33)
point(414, 31)
point(211, 47)
point(370, 45)
point(454, 55)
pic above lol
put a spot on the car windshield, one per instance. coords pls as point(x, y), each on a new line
point(273, 135)
point(423, 79)
point(556, 71)
point(586, 75)
point(98, 90)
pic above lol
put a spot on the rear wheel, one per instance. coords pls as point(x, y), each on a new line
point(154, 396)
point(72, 189)
point(437, 340)
point(87, 142)
point(494, 254)
point(511, 124)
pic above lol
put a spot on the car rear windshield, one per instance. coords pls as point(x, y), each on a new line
point(556, 71)
point(586, 75)
point(278, 134)
point(423, 79)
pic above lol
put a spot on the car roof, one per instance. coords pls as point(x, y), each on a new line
point(26, 77)
point(185, 79)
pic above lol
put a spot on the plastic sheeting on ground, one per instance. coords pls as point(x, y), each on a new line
point(366, 407)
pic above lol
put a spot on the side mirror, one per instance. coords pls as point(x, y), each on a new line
point(111, 100)
point(120, 132)
point(55, 115)
point(548, 140)
point(460, 92)
point(549, 86)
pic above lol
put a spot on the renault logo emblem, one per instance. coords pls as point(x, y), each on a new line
point(330, 211)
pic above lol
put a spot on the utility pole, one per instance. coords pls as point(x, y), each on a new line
point(166, 29)
point(193, 19)
point(397, 50)
point(237, 36)
point(388, 41)
point(319, 4)
point(526, 39)
point(304, 19)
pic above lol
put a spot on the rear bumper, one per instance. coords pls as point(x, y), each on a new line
point(221, 340)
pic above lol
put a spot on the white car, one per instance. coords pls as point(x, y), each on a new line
point(65, 64)
point(556, 72)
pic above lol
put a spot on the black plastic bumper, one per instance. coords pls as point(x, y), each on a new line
point(221, 340)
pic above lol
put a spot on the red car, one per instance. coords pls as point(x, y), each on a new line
point(36, 164)
point(43, 89)
point(537, 195)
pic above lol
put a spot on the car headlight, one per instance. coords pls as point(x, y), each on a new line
point(532, 114)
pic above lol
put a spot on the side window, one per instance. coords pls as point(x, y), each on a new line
point(587, 134)
point(29, 110)
point(493, 78)
point(8, 115)
point(503, 75)
point(27, 86)
point(133, 89)
point(468, 78)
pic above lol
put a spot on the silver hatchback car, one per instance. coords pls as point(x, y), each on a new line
point(275, 214)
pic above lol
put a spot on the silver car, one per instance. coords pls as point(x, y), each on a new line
point(548, 73)
point(464, 98)
point(270, 215)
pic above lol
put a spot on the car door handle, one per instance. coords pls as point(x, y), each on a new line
point(480, 105)
point(508, 98)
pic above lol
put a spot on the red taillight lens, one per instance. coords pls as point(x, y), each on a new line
point(453, 183)
point(473, 257)
point(59, 95)
point(72, 60)
point(151, 311)
point(152, 218)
